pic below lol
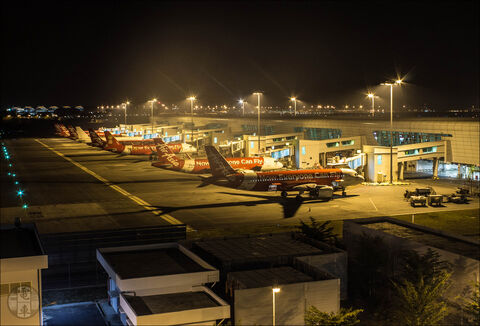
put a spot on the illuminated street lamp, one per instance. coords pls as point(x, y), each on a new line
point(398, 82)
point(125, 107)
point(372, 96)
point(258, 125)
point(151, 115)
point(191, 99)
point(274, 290)
point(242, 102)
point(294, 104)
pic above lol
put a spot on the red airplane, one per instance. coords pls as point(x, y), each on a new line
point(168, 160)
point(62, 130)
point(320, 183)
point(142, 148)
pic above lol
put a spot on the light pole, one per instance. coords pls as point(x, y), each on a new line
point(274, 290)
point(397, 82)
point(191, 99)
point(242, 102)
point(125, 107)
point(372, 96)
point(151, 113)
point(258, 125)
point(294, 104)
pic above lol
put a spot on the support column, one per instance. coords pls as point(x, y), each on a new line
point(459, 173)
point(401, 170)
point(435, 167)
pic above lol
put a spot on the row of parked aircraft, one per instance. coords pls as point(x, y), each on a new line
point(247, 173)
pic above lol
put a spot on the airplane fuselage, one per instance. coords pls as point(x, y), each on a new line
point(202, 166)
point(281, 181)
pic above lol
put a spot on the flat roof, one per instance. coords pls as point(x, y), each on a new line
point(268, 277)
point(163, 303)
point(151, 262)
point(265, 247)
point(19, 242)
point(432, 239)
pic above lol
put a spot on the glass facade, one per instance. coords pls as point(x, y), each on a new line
point(406, 137)
point(280, 154)
point(319, 133)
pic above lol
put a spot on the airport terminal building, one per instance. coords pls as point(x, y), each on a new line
point(443, 147)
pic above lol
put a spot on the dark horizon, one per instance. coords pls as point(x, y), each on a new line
point(88, 53)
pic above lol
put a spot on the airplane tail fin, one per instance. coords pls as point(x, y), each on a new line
point(64, 130)
point(73, 133)
point(218, 164)
point(82, 135)
point(165, 154)
point(96, 140)
point(112, 143)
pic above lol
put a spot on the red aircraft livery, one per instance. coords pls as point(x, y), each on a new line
point(142, 148)
point(62, 130)
point(320, 183)
point(168, 160)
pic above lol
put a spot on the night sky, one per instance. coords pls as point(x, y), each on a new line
point(93, 53)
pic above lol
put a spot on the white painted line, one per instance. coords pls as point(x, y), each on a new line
point(166, 217)
point(373, 204)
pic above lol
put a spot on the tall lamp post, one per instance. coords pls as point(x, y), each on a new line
point(242, 102)
point(294, 99)
point(274, 290)
point(125, 107)
point(191, 99)
point(396, 83)
point(151, 114)
point(258, 125)
point(372, 96)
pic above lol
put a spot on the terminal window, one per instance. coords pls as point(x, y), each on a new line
point(214, 140)
point(432, 149)
point(303, 150)
point(406, 137)
point(335, 144)
point(348, 142)
point(379, 159)
point(319, 133)
point(251, 144)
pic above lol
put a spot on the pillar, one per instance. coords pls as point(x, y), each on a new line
point(401, 169)
point(459, 173)
point(435, 167)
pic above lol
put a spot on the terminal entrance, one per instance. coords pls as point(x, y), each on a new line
point(424, 169)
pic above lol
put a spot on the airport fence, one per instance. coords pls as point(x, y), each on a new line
point(72, 258)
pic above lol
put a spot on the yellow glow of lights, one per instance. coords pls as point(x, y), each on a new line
point(191, 98)
point(293, 99)
point(398, 81)
point(370, 95)
point(240, 101)
point(128, 102)
point(276, 290)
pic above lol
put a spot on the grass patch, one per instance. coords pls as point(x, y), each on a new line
point(248, 229)
point(462, 222)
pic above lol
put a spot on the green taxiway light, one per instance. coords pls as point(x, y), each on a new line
point(10, 165)
point(20, 193)
point(14, 175)
point(25, 206)
point(9, 173)
point(16, 182)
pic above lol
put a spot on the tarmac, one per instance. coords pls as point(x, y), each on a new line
point(70, 186)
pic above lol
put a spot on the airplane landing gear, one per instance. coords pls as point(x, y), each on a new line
point(284, 194)
point(344, 193)
point(299, 198)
